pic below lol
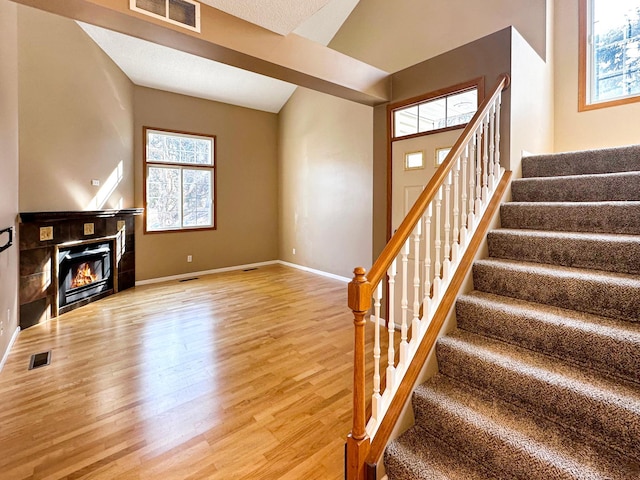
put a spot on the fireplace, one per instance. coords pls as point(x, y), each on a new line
point(51, 241)
point(85, 271)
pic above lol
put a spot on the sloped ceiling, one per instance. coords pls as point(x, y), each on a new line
point(150, 65)
point(280, 16)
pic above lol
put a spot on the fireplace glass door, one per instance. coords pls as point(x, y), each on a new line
point(84, 271)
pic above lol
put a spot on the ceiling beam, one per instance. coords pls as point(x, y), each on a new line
point(236, 42)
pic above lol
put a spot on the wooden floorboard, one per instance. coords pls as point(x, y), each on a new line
point(241, 375)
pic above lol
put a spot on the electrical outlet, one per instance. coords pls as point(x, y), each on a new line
point(1, 328)
point(46, 233)
point(88, 229)
point(294, 251)
point(95, 182)
point(189, 258)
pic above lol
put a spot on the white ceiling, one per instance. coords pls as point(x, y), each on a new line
point(280, 16)
point(150, 65)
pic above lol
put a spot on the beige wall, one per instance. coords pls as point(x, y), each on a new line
point(612, 126)
point(76, 119)
point(397, 34)
point(9, 170)
point(325, 162)
point(246, 169)
point(531, 103)
point(487, 57)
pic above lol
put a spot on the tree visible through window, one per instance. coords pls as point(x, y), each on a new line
point(180, 180)
point(612, 50)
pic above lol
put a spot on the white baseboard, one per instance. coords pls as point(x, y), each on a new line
point(241, 267)
point(313, 270)
point(204, 272)
point(14, 337)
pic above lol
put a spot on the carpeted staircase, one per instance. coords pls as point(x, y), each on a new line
point(541, 380)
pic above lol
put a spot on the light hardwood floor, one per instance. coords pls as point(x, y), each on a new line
point(241, 375)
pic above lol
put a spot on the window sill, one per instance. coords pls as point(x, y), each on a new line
point(585, 107)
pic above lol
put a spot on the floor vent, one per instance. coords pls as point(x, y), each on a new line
point(188, 279)
point(249, 269)
point(40, 360)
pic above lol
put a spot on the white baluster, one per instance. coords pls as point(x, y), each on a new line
point(404, 304)
point(426, 310)
point(415, 324)
point(472, 183)
point(391, 326)
point(485, 161)
point(498, 168)
point(456, 212)
point(478, 197)
point(493, 178)
point(437, 266)
point(463, 213)
point(376, 399)
point(446, 264)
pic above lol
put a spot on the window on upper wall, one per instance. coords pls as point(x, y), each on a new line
point(439, 112)
point(609, 53)
point(180, 179)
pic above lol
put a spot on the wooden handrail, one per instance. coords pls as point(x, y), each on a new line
point(359, 448)
point(401, 235)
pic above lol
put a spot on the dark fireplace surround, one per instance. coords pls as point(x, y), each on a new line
point(69, 259)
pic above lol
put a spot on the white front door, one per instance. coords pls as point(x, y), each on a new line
point(407, 184)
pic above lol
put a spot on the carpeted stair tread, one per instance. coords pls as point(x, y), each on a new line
point(606, 160)
point(621, 186)
point(608, 252)
point(406, 458)
point(614, 295)
point(508, 441)
point(585, 401)
point(607, 345)
point(597, 217)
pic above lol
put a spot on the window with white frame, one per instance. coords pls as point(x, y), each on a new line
point(179, 180)
point(610, 52)
point(413, 160)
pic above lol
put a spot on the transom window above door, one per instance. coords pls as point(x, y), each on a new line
point(443, 112)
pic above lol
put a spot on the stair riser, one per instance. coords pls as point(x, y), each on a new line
point(403, 461)
point(467, 439)
point(618, 187)
point(622, 218)
point(614, 355)
point(619, 255)
point(621, 159)
point(595, 295)
point(546, 396)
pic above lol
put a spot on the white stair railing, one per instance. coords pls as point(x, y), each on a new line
point(436, 231)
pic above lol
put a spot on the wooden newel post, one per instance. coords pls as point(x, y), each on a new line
point(358, 442)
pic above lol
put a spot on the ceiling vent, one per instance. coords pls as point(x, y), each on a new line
point(185, 13)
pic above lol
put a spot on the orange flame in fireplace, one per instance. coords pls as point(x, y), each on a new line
point(84, 276)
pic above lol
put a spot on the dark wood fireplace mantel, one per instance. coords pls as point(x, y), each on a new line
point(42, 233)
point(29, 217)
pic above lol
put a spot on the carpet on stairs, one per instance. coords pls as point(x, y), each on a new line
point(541, 378)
